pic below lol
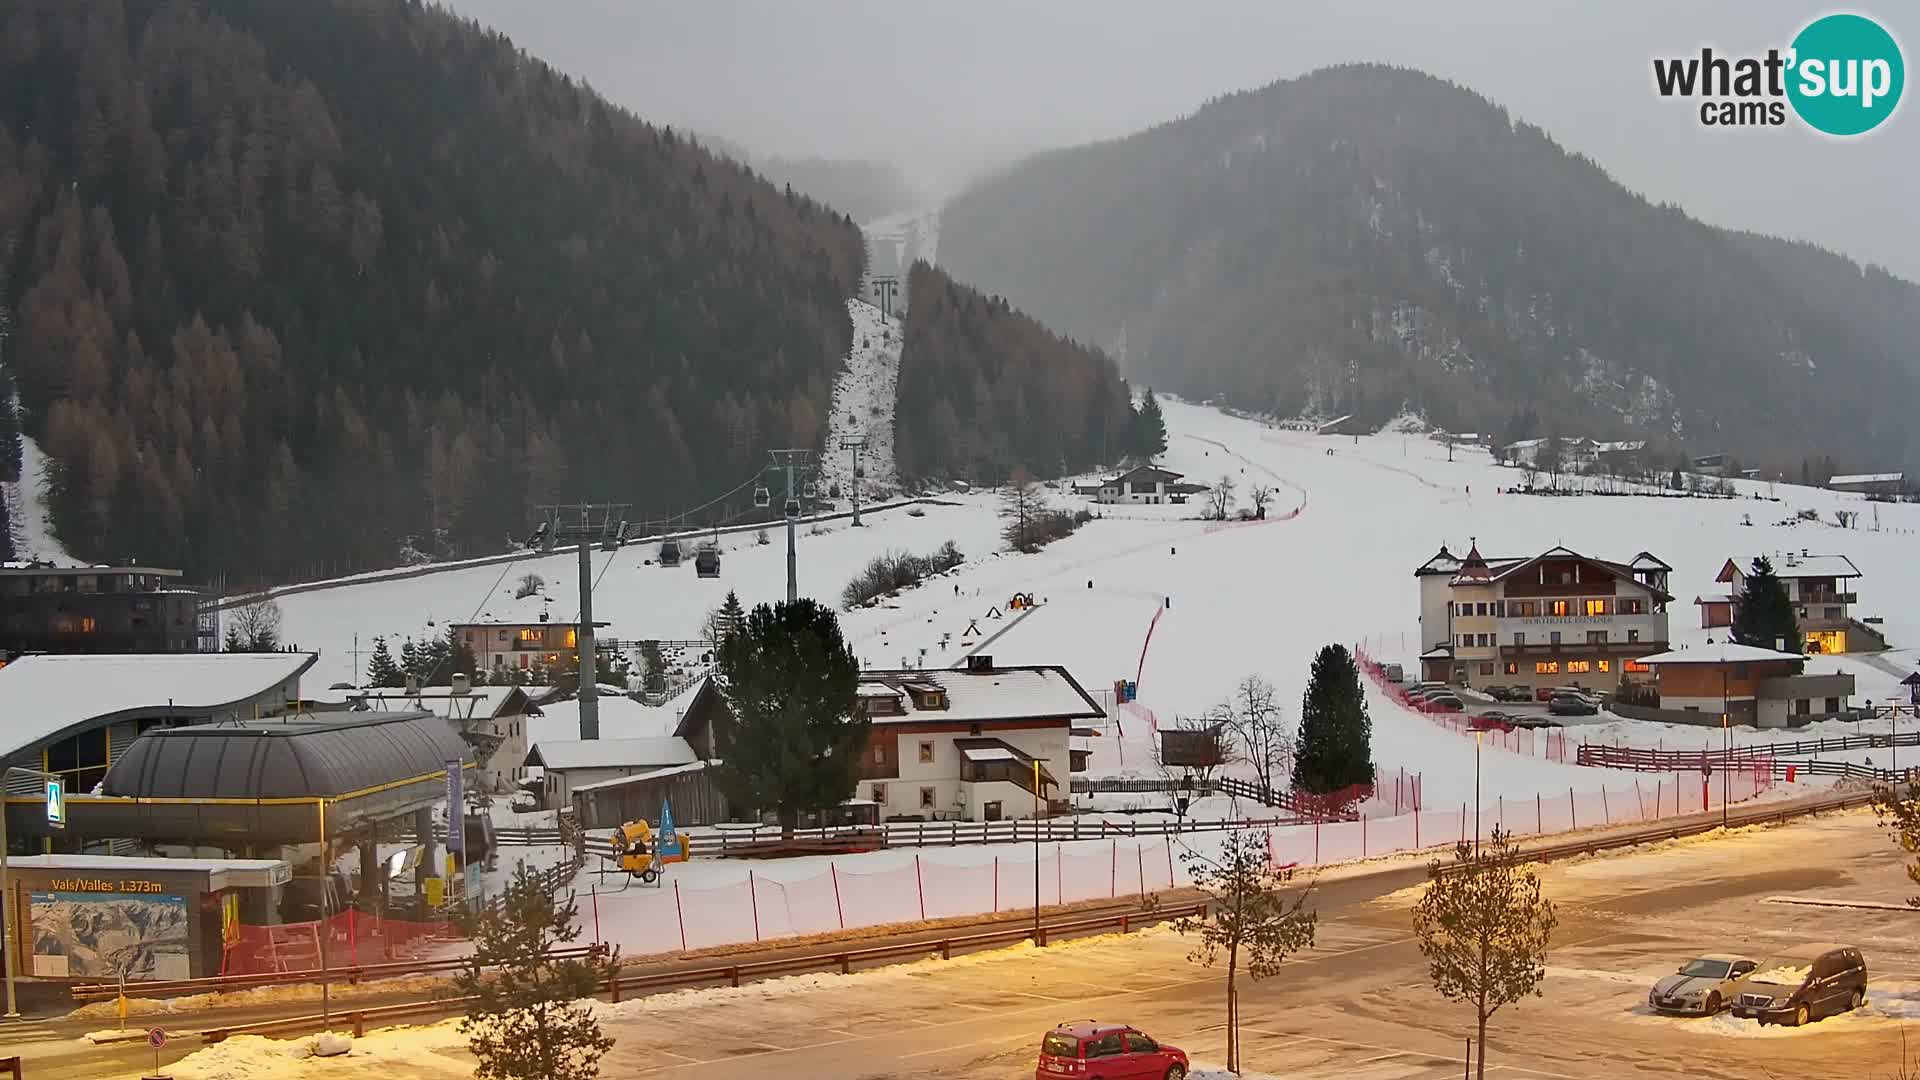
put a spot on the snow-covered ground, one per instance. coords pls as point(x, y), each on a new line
point(33, 536)
point(1253, 598)
point(863, 405)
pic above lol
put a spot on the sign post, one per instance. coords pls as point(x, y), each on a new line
point(156, 1038)
point(456, 817)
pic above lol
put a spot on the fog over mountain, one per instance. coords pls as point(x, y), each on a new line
point(948, 91)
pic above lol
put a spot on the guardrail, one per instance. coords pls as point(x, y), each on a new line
point(842, 960)
point(220, 984)
point(1635, 759)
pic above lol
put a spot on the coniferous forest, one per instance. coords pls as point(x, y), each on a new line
point(296, 284)
point(985, 390)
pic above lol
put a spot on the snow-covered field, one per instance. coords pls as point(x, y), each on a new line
point(27, 507)
point(863, 405)
point(1236, 600)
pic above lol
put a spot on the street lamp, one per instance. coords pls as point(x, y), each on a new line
point(1036, 852)
point(1476, 791)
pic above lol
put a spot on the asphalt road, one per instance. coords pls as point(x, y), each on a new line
point(1357, 1006)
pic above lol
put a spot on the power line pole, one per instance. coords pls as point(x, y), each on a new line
point(795, 463)
point(883, 288)
point(601, 523)
point(855, 443)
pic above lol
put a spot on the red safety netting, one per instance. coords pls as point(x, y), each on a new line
point(352, 939)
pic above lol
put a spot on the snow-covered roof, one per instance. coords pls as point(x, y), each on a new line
point(621, 717)
point(652, 774)
point(477, 703)
point(224, 872)
point(1790, 565)
point(1646, 560)
point(42, 696)
point(1714, 598)
point(1624, 446)
point(610, 753)
point(1725, 652)
point(1868, 478)
point(1005, 693)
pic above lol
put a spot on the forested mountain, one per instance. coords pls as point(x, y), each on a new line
point(295, 281)
point(985, 389)
point(1365, 238)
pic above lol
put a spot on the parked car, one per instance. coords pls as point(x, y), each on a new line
point(1425, 692)
point(1702, 986)
point(1509, 693)
point(1088, 1050)
point(1563, 704)
point(1804, 984)
point(1491, 722)
point(1445, 703)
point(1535, 722)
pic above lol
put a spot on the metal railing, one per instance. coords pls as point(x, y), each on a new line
point(1742, 759)
point(353, 975)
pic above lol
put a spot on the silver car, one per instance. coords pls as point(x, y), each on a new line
point(1702, 986)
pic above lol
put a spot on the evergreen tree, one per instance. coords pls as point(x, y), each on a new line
point(1336, 735)
point(452, 655)
point(381, 670)
point(233, 642)
point(1763, 615)
point(655, 679)
point(731, 616)
point(410, 660)
point(1149, 429)
point(793, 741)
point(530, 1014)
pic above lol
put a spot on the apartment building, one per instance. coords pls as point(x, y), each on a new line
point(1559, 618)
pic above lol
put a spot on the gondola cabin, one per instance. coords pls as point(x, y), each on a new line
point(706, 562)
point(669, 552)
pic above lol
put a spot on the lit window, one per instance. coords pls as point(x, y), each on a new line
point(1578, 667)
point(86, 626)
point(1513, 668)
point(1596, 607)
point(572, 637)
point(926, 753)
point(1636, 666)
point(1604, 665)
point(1546, 667)
point(1559, 608)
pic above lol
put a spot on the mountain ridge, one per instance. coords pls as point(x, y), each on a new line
point(1365, 239)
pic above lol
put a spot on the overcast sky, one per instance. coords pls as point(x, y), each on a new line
point(945, 90)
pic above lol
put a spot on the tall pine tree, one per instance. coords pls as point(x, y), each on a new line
point(1763, 616)
point(1149, 429)
point(731, 616)
point(1336, 735)
point(381, 670)
point(793, 741)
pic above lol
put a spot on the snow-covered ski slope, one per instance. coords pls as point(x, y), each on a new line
point(863, 400)
point(33, 536)
point(1255, 598)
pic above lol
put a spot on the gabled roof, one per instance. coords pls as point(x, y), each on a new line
point(1622, 571)
point(1646, 560)
point(1714, 598)
point(1036, 692)
point(1788, 566)
point(1157, 471)
point(611, 753)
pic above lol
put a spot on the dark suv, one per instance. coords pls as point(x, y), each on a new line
point(1805, 984)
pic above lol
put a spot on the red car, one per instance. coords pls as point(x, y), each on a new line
point(1094, 1051)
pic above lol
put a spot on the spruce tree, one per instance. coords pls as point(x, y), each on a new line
point(381, 670)
point(410, 659)
point(453, 655)
point(793, 740)
point(1336, 735)
point(731, 616)
point(1149, 429)
point(1764, 616)
point(233, 642)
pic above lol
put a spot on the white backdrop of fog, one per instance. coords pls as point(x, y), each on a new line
point(949, 90)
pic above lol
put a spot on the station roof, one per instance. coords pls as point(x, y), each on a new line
point(320, 755)
point(221, 873)
point(46, 697)
point(563, 754)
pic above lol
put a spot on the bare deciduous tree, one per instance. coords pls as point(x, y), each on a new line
point(1483, 926)
point(1898, 808)
point(1260, 495)
point(1020, 504)
point(255, 626)
point(528, 585)
point(1256, 724)
point(1220, 499)
point(1252, 920)
point(1194, 750)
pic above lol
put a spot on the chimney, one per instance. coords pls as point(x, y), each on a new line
point(462, 683)
point(979, 663)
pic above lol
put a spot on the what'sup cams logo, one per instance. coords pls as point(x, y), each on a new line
point(1842, 75)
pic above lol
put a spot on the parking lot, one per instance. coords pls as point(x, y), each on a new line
point(1357, 1007)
